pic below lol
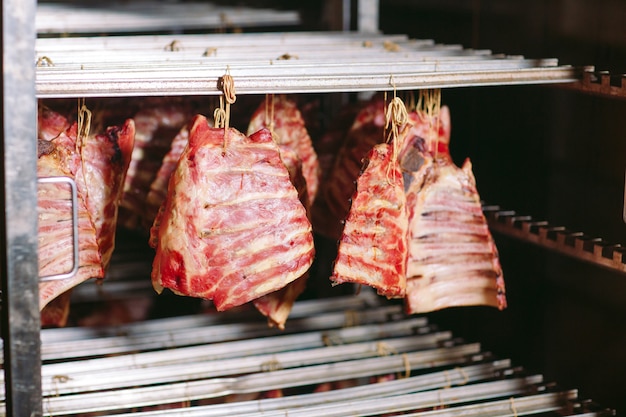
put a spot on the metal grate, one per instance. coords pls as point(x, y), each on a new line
point(153, 16)
point(222, 365)
point(260, 63)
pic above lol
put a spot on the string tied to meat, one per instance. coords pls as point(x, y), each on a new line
point(82, 133)
point(396, 118)
point(221, 114)
point(84, 123)
point(429, 107)
point(226, 85)
point(269, 115)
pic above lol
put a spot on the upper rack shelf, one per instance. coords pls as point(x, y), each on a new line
point(149, 16)
point(263, 63)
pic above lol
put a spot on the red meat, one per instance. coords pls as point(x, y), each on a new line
point(289, 130)
point(373, 246)
point(98, 166)
point(232, 228)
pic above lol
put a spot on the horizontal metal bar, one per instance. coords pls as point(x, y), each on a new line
point(345, 305)
point(251, 40)
point(146, 86)
point(241, 348)
point(348, 67)
point(511, 407)
point(80, 381)
point(74, 198)
point(447, 397)
point(557, 238)
point(146, 67)
point(202, 335)
point(119, 17)
point(433, 380)
point(213, 388)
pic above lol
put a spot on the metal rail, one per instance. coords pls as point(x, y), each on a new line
point(423, 370)
point(304, 62)
point(153, 16)
point(600, 83)
point(557, 238)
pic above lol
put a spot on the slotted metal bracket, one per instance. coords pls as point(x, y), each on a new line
point(600, 83)
point(558, 238)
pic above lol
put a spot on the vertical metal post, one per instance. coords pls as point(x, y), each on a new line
point(368, 16)
point(19, 273)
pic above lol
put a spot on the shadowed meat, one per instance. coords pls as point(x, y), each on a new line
point(157, 123)
point(366, 131)
point(97, 164)
point(232, 228)
point(158, 188)
point(327, 147)
point(289, 130)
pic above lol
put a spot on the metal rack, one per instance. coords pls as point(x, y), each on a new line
point(193, 64)
point(144, 16)
point(298, 62)
point(373, 349)
point(575, 244)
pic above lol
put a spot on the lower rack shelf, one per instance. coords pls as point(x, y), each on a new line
point(343, 356)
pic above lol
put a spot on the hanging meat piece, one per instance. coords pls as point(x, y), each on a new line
point(366, 131)
point(157, 123)
point(277, 305)
point(288, 129)
point(327, 147)
point(373, 247)
point(98, 166)
point(231, 228)
point(105, 160)
point(158, 188)
point(453, 260)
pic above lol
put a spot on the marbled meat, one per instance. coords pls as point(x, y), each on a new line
point(373, 246)
point(453, 260)
point(232, 228)
point(366, 131)
point(98, 166)
point(277, 305)
point(282, 116)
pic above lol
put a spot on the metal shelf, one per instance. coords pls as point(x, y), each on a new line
point(153, 16)
point(371, 353)
point(295, 62)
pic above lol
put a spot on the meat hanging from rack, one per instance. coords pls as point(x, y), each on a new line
point(158, 189)
point(282, 117)
point(97, 163)
point(277, 305)
point(453, 260)
point(373, 247)
point(448, 256)
point(366, 130)
point(232, 228)
point(157, 123)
